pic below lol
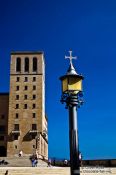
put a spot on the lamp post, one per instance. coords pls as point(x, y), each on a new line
point(72, 96)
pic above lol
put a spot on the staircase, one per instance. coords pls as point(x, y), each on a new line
point(21, 162)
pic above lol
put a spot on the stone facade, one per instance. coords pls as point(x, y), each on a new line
point(27, 124)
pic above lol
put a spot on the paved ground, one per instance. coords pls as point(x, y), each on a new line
point(56, 171)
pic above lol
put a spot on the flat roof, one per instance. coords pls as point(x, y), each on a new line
point(26, 52)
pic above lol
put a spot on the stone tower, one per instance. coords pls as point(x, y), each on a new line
point(27, 123)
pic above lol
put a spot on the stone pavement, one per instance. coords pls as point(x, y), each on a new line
point(56, 171)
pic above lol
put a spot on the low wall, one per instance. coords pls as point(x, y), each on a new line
point(100, 162)
point(104, 162)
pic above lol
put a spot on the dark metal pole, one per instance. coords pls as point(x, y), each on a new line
point(73, 135)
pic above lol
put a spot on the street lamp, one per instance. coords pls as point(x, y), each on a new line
point(72, 96)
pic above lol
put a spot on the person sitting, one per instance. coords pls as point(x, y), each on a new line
point(65, 162)
point(5, 163)
point(49, 162)
point(80, 158)
point(35, 162)
point(6, 173)
point(2, 161)
point(20, 153)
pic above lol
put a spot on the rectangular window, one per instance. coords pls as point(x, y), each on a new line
point(34, 106)
point(1, 138)
point(18, 64)
point(17, 115)
point(33, 146)
point(34, 97)
point(17, 97)
point(18, 79)
point(34, 87)
point(34, 127)
point(25, 97)
point(17, 88)
point(26, 79)
point(34, 115)
point(17, 106)
point(26, 87)
point(25, 106)
point(16, 127)
point(34, 78)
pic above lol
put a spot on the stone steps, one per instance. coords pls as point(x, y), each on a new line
point(56, 171)
point(21, 162)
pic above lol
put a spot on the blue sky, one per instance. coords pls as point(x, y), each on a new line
point(88, 28)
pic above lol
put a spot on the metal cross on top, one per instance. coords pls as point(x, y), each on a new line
point(70, 57)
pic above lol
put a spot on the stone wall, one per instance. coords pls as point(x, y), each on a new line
point(101, 162)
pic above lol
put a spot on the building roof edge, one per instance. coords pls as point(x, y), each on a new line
point(26, 52)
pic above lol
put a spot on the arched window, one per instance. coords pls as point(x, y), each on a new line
point(18, 64)
point(26, 64)
point(34, 64)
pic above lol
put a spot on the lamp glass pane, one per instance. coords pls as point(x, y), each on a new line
point(75, 84)
point(65, 85)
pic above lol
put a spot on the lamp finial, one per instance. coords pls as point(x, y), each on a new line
point(70, 57)
point(71, 69)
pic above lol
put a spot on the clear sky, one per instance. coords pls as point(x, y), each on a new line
point(88, 27)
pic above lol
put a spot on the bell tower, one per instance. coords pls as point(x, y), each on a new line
point(27, 123)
